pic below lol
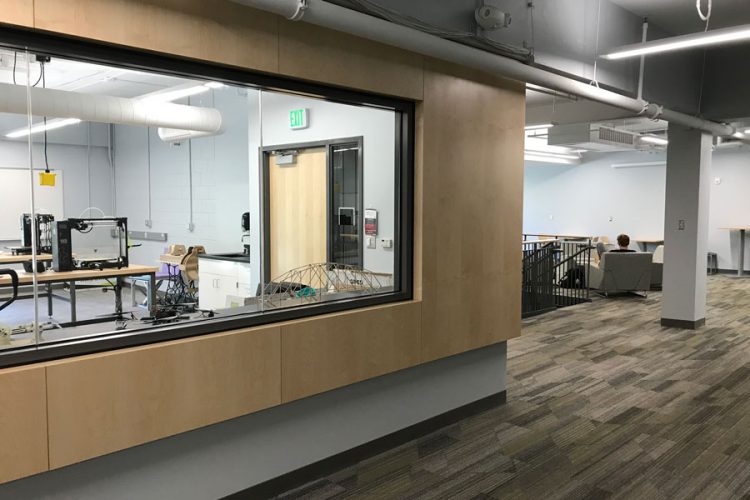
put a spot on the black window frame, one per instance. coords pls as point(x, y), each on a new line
point(96, 52)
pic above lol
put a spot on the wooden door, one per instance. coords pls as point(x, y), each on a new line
point(297, 212)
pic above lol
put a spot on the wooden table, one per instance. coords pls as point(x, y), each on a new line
point(649, 241)
point(558, 236)
point(50, 277)
point(7, 258)
point(741, 261)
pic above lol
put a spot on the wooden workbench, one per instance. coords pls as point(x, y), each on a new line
point(7, 258)
point(71, 277)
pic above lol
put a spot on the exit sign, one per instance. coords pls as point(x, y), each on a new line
point(298, 119)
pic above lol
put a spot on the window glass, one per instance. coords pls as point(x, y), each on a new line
point(163, 201)
point(328, 200)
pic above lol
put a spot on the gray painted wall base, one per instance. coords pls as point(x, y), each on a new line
point(222, 459)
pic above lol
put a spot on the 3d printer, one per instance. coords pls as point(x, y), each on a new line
point(43, 234)
point(94, 243)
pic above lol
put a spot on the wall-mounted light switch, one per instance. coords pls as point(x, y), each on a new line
point(681, 225)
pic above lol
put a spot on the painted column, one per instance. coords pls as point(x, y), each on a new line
point(686, 228)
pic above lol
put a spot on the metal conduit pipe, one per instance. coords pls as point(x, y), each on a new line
point(362, 25)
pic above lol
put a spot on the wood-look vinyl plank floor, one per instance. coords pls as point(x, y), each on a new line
point(602, 402)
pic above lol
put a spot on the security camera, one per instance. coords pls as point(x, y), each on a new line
point(490, 18)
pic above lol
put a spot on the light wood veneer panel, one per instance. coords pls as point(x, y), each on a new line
point(328, 352)
point(23, 423)
point(313, 53)
point(216, 30)
point(472, 178)
point(107, 402)
point(18, 12)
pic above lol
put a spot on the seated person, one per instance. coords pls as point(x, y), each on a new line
point(623, 241)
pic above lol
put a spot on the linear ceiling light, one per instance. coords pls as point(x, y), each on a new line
point(538, 127)
point(41, 127)
point(535, 152)
point(181, 93)
point(682, 42)
point(528, 156)
point(652, 139)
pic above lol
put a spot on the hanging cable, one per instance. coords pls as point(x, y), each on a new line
point(703, 17)
point(46, 159)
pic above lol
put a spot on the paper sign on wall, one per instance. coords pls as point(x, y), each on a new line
point(371, 222)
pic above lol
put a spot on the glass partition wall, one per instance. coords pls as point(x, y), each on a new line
point(141, 205)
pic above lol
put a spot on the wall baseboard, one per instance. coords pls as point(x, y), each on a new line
point(322, 468)
point(683, 323)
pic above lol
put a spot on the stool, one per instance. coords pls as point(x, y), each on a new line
point(713, 263)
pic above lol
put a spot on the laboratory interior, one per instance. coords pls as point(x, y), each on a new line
point(135, 200)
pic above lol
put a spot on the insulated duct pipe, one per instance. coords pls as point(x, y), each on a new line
point(362, 25)
point(109, 109)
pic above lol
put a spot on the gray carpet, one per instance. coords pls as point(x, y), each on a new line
point(602, 403)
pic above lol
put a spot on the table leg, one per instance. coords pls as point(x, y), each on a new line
point(118, 296)
point(151, 292)
point(741, 263)
point(72, 285)
point(49, 299)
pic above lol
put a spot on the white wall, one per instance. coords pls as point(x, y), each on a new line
point(581, 199)
point(220, 181)
point(86, 171)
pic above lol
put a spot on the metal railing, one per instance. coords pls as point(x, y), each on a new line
point(555, 274)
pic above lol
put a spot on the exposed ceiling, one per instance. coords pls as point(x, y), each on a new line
point(90, 78)
point(681, 17)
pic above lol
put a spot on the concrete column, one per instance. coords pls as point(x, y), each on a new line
point(686, 228)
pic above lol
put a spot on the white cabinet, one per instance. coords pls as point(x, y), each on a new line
point(219, 279)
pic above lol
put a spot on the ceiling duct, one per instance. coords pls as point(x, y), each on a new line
point(55, 103)
point(592, 137)
point(338, 18)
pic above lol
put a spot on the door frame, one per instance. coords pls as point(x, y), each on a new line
point(265, 153)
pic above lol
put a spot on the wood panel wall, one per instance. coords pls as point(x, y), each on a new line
point(468, 188)
point(472, 189)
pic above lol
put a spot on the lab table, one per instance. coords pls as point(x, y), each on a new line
point(50, 277)
point(8, 258)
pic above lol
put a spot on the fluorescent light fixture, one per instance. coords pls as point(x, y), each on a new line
point(640, 164)
point(214, 85)
point(548, 154)
point(41, 127)
point(682, 42)
point(547, 159)
point(538, 127)
point(173, 95)
point(652, 139)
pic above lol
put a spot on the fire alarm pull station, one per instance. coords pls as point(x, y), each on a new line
point(371, 227)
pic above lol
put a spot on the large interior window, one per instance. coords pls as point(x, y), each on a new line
point(141, 204)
